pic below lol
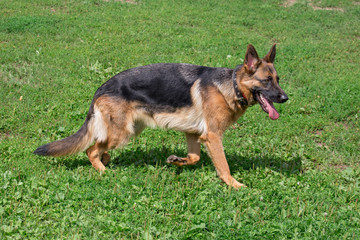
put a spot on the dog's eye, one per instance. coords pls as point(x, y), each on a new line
point(269, 78)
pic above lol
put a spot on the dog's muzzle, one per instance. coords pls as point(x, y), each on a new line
point(268, 105)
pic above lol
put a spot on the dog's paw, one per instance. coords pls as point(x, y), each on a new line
point(229, 180)
point(235, 184)
point(176, 160)
point(238, 185)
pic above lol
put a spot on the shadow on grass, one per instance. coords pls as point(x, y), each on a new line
point(158, 156)
point(237, 162)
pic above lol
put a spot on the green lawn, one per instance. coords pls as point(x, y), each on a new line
point(302, 171)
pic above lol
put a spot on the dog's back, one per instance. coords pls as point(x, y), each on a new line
point(163, 85)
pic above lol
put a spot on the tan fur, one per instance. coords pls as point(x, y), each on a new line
point(215, 149)
point(217, 110)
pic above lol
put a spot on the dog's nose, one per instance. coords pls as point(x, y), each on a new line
point(283, 98)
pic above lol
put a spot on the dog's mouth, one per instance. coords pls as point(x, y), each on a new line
point(267, 106)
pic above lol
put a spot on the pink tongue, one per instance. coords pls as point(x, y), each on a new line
point(273, 114)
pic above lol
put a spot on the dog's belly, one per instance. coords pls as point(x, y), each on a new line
point(187, 119)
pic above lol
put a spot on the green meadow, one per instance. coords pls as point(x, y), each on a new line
point(302, 171)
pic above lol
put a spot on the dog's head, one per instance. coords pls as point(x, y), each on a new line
point(260, 81)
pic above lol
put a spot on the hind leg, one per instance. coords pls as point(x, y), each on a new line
point(98, 155)
point(95, 155)
point(193, 152)
point(117, 136)
point(113, 126)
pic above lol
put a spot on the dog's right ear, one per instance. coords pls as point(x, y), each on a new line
point(251, 61)
point(270, 57)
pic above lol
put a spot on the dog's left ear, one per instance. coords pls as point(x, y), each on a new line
point(270, 57)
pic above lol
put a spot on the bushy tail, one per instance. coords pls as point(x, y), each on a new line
point(70, 145)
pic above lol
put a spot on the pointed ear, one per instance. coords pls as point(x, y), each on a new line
point(251, 61)
point(270, 57)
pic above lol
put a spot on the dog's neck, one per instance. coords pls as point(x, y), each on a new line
point(240, 98)
point(227, 90)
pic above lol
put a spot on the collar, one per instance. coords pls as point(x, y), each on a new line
point(240, 98)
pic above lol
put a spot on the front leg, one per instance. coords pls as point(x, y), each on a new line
point(193, 156)
point(213, 143)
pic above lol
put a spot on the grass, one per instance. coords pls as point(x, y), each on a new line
point(302, 170)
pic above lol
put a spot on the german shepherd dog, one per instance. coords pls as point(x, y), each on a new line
point(197, 100)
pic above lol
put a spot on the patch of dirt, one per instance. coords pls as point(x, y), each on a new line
point(289, 3)
point(356, 3)
point(123, 1)
point(340, 166)
point(326, 8)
